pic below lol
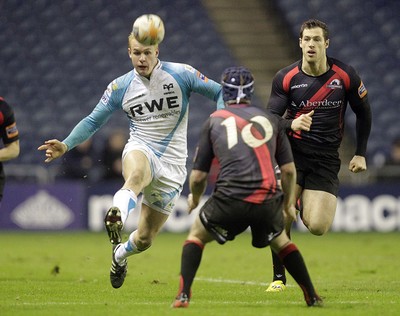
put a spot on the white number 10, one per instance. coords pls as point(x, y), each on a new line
point(247, 136)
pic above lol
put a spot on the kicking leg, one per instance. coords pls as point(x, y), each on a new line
point(150, 223)
point(137, 175)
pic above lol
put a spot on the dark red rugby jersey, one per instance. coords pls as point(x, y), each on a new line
point(8, 133)
point(248, 143)
point(8, 126)
point(298, 93)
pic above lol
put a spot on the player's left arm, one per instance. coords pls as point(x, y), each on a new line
point(205, 86)
point(362, 109)
point(9, 151)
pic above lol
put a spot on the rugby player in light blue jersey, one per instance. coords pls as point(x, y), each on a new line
point(155, 97)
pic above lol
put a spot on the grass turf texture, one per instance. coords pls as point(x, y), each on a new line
point(68, 274)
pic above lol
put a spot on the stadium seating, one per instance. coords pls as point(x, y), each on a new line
point(57, 58)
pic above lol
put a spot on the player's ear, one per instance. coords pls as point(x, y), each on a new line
point(300, 41)
point(327, 43)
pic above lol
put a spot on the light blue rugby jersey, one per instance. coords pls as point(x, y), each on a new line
point(157, 108)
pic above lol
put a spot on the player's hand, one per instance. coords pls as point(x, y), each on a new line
point(358, 164)
point(289, 213)
point(303, 122)
point(192, 204)
point(54, 149)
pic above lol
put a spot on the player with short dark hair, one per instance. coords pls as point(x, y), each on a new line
point(312, 94)
point(10, 137)
point(248, 143)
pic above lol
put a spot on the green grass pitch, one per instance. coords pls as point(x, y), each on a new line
point(47, 273)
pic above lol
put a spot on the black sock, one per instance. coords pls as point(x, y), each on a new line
point(278, 268)
point(294, 263)
point(190, 262)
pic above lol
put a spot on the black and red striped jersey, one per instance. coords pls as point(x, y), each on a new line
point(296, 93)
point(8, 126)
point(8, 133)
point(248, 143)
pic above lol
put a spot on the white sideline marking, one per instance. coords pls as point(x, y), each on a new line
point(88, 303)
point(212, 280)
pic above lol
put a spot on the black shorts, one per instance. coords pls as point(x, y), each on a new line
point(317, 169)
point(226, 218)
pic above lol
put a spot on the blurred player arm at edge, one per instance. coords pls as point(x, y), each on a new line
point(9, 151)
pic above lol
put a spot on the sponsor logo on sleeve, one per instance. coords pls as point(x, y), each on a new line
point(201, 76)
point(106, 95)
point(362, 91)
point(12, 130)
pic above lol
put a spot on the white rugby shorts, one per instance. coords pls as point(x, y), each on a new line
point(168, 179)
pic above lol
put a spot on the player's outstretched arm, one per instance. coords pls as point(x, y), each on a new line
point(54, 149)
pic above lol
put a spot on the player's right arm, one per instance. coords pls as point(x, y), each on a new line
point(279, 101)
point(284, 158)
point(303, 122)
point(109, 102)
point(54, 149)
point(197, 185)
point(288, 181)
point(88, 126)
point(201, 166)
point(81, 132)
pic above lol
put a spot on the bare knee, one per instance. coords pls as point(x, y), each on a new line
point(135, 182)
point(318, 211)
point(318, 231)
point(316, 228)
